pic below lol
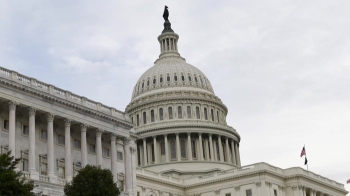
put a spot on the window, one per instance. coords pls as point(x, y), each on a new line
point(175, 78)
point(60, 139)
point(204, 150)
point(217, 151)
point(43, 135)
point(143, 84)
point(25, 130)
point(217, 114)
point(183, 78)
point(161, 79)
point(6, 124)
point(274, 192)
point(25, 164)
point(212, 114)
point(132, 120)
point(193, 147)
point(154, 81)
point(61, 172)
point(106, 152)
point(173, 149)
point(138, 156)
point(205, 114)
point(249, 192)
point(144, 118)
point(138, 120)
point(77, 144)
point(161, 114)
point(92, 148)
point(189, 78)
point(189, 112)
point(119, 156)
point(195, 78)
point(148, 82)
point(168, 78)
point(152, 153)
point(162, 148)
point(170, 110)
point(43, 169)
point(183, 148)
point(152, 115)
point(179, 112)
point(197, 113)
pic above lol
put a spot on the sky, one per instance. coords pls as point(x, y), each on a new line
point(281, 67)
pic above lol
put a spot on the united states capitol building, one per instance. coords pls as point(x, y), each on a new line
point(172, 139)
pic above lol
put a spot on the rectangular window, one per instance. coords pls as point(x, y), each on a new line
point(25, 130)
point(106, 152)
point(61, 172)
point(275, 192)
point(60, 140)
point(25, 164)
point(43, 135)
point(6, 125)
point(92, 148)
point(248, 192)
point(119, 156)
point(43, 169)
point(77, 144)
point(162, 148)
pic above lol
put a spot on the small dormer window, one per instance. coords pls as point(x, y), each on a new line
point(168, 78)
point(143, 84)
point(154, 80)
point(148, 82)
point(195, 78)
point(183, 78)
point(189, 78)
point(175, 78)
point(161, 79)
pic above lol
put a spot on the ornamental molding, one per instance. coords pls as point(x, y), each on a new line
point(31, 111)
point(50, 93)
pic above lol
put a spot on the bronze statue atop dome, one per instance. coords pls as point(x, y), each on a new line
point(166, 13)
point(167, 24)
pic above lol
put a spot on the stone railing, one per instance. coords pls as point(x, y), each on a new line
point(62, 181)
point(184, 122)
point(63, 94)
point(26, 174)
point(44, 178)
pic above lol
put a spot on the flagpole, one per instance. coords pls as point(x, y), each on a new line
point(307, 163)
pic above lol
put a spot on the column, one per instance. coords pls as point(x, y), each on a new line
point(31, 165)
point(170, 44)
point(211, 147)
point(227, 151)
point(189, 146)
point(114, 157)
point(178, 152)
point(50, 149)
point(238, 155)
point(12, 127)
point(155, 152)
point(206, 142)
point(233, 152)
point(220, 149)
point(144, 152)
point(83, 128)
point(166, 148)
point(99, 147)
point(128, 177)
point(68, 159)
point(200, 147)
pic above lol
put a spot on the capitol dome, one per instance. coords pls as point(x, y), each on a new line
point(180, 121)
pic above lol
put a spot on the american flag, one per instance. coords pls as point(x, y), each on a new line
point(303, 152)
point(348, 182)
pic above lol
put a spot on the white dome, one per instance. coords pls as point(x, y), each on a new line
point(171, 73)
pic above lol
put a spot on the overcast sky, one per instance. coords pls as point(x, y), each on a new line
point(281, 67)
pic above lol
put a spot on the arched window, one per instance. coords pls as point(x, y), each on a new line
point(170, 111)
point(179, 112)
point(183, 148)
point(154, 80)
point(224, 152)
point(132, 120)
point(162, 148)
point(204, 149)
point(205, 114)
point(217, 114)
point(144, 118)
point(189, 78)
point(175, 78)
point(217, 151)
point(143, 84)
point(138, 120)
point(201, 79)
point(172, 149)
point(168, 78)
point(189, 112)
point(197, 113)
point(193, 147)
point(183, 78)
point(195, 78)
point(161, 117)
point(148, 82)
point(161, 79)
point(152, 115)
point(212, 114)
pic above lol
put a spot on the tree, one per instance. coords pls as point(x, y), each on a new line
point(12, 182)
point(92, 181)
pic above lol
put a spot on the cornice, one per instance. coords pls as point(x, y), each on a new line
point(53, 98)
